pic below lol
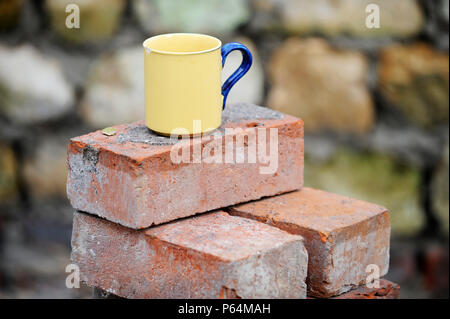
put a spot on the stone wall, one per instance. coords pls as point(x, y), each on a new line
point(375, 104)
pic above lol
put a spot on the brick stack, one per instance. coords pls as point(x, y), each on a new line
point(150, 226)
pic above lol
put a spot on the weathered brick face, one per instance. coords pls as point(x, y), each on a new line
point(214, 255)
point(130, 178)
point(386, 290)
point(342, 235)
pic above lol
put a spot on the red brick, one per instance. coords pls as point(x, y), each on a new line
point(342, 235)
point(214, 255)
point(128, 179)
point(386, 290)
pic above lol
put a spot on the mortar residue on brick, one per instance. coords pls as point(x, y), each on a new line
point(139, 133)
point(90, 154)
point(245, 111)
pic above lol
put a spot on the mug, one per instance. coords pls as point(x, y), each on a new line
point(183, 91)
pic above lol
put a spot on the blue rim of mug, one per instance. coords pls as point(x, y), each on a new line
point(144, 44)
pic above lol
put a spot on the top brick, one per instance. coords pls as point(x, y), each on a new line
point(137, 178)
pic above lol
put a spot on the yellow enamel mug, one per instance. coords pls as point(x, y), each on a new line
point(183, 91)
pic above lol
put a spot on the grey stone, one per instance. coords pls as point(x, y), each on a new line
point(99, 19)
point(414, 79)
point(325, 87)
point(437, 27)
point(213, 16)
point(32, 87)
point(408, 144)
point(41, 266)
point(75, 64)
point(372, 177)
point(440, 190)
point(401, 18)
point(250, 88)
point(10, 11)
point(444, 10)
point(8, 173)
point(44, 168)
point(320, 148)
point(115, 91)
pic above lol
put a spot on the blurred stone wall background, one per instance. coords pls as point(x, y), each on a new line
point(375, 104)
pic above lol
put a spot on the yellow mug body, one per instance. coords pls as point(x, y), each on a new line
point(183, 83)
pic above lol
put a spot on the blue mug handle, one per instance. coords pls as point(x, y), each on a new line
point(240, 72)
